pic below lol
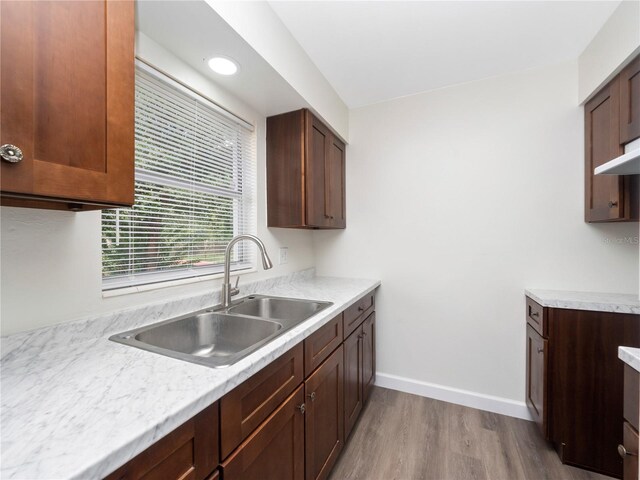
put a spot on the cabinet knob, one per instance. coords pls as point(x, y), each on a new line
point(328, 216)
point(613, 204)
point(361, 309)
point(535, 314)
point(623, 452)
point(10, 153)
point(302, 408)
point(540, 350)
point(312, 396)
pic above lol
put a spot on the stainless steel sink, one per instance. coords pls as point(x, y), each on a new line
point(220, 337)
point(276, 308)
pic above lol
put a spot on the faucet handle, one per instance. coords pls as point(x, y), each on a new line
point(235, 290)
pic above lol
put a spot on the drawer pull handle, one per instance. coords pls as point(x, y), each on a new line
point(10, 153)
point(361, 309)
point(302, 408)
point(540, 350)
point(613, 204)
point(623, 452)
point(535, 314)
point(312, 396)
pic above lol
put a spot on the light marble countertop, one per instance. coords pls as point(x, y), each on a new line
point(76, 405)
point(598, 302)
point(630, 356)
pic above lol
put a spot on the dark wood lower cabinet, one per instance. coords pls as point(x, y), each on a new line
point(537, 378)
point(352, 381)
point(190, 452)
point(575, 384)
point(324, 431)
point(247, 405)
point(359, 370)
point(368, 355)
point(275, 451)
point(629, 450)
point(289, 421)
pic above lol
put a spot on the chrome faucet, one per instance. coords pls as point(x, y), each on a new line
point(227, 290)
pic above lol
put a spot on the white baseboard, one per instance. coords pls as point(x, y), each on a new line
point(489, 403)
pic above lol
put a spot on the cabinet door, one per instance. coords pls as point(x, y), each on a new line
point(368, 355)
point(190, 452)
point(352, 380)
point(318, 146)
point(630, 458)
point(630, 102)
point(247, 405)
point(324, 416)
point(67, 74)
point(586, 385)
point(275, 451)
point(604, 194)
point(335, 183)
point(537, 378)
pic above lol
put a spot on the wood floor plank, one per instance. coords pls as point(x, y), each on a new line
point(406, 437)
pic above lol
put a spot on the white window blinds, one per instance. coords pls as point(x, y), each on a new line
point(195, 189)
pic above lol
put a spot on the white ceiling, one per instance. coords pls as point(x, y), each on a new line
point(375, 51)
point(194, 32)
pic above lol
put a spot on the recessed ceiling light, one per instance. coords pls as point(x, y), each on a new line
point(223, 66)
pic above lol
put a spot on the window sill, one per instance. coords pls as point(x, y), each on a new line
point(116, 292)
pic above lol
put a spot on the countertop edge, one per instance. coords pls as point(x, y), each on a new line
point(630, 356)
point(600, 302)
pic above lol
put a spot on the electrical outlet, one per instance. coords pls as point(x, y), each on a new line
point(284, 255)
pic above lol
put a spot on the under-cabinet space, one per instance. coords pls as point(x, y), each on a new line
point(67, 72)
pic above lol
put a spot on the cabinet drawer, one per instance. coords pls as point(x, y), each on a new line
point(631, 399)
point(190, 451)
point(356, 313)
point(536, 317)
point(247, 405)
point(321, 343)
point(275, 451)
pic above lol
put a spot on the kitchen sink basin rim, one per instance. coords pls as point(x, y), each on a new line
point(178, 348)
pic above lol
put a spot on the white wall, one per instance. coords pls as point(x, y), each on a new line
point(260, 27)
point(617, 41)
point(51, 265)
point(458, 199)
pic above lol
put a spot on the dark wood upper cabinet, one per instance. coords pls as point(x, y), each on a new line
point(67, 73)
point(612, 118)
point(630, 102)
point(305, 173)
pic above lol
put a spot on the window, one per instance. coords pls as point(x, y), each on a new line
point(194, 184)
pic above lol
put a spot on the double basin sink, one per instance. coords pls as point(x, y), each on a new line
point(219, 337)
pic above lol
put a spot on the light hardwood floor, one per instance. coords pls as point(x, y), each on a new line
point(405, 437)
